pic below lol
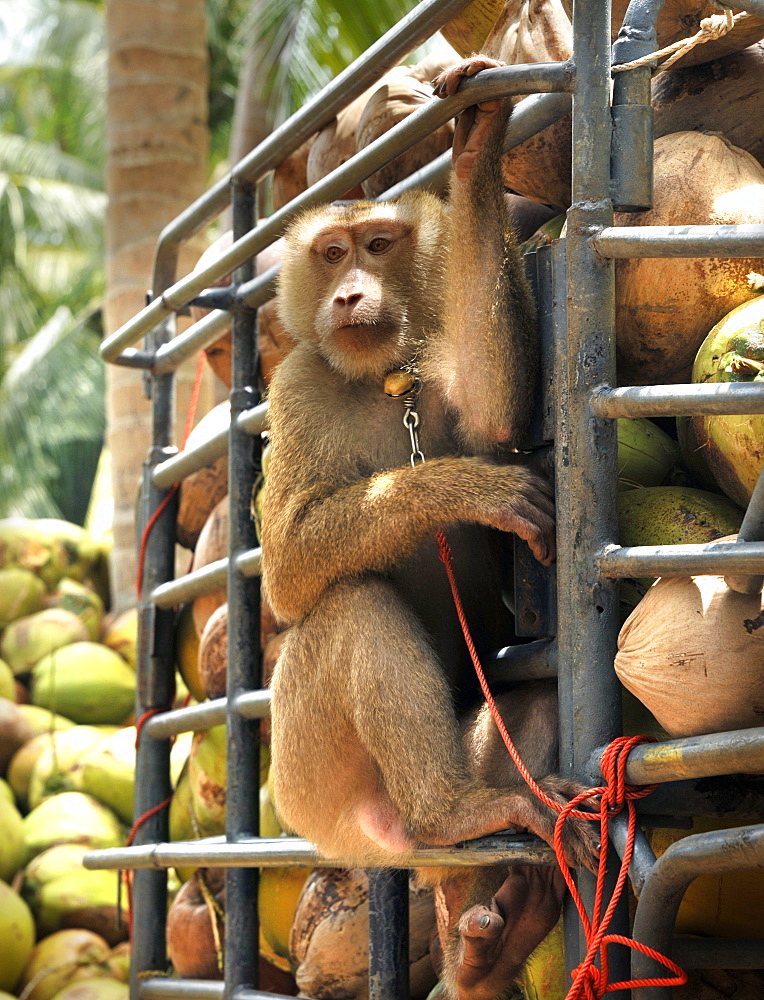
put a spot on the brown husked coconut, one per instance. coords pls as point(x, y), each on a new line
point(692, 652)
point(329, 943)
point(391, 102)
point(468, 31)
point(204, 488)
point(529, 31)
point(211, 546)
point(665, 307)
point(290, 177)
point(721, 96)
point(213, 653)
point(681, 19)
point(335, 143)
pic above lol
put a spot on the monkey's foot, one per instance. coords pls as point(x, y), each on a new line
point(447, 83)
point(495, 940)
point(580, 837)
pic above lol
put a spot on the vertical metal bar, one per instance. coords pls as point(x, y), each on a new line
point(155, 677)
point(242, 795)
point(388, 934)
point(751, 530)
point(585, 446)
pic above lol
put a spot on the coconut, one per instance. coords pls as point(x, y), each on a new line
point(670, 515)
point(665, 307)
point(87, 682)
point(213, 653)
point(191, 943)
point(98, 988)
point(7, 682)
point(6, 792)
point(392, 102)
point(680, 19)
point(12, 848)
point(17, 934)
point(62, 958)
point(646, 454)
point(107, 772)
point(278, 894)
point(28, 639)
point(73, 818)
point(212, 545)
point(82, 601)
point(15, 731)
point(329, 939)
point(207, 777)
point(544, 975)
point(120, 633)
point(22, 764)
point(49, 547)
point(206, 487)
point(187, 652)
point(85, 899)
point(290, 177)
point(692, 652)
point(733, 446)
point(21, 593)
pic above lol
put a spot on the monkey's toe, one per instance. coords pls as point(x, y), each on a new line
point(482, 923)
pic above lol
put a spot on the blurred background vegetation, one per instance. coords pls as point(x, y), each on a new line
point(53, 62)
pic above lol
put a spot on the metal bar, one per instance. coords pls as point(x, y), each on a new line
point(243, 645)
point(175, 469)
point(202, 581)
point(270, 853)
point(388, 934)
point(585, 445)
point(162, 988)
point(728, 797)
point(716, 399)
point(508, 80)
point(197, 718)
point(751, 530)
point(718, 953)
point(717, 852)
point(642, 859)
point(716, 558)
point(206, 330)
point(680, 241)
point(530, 661)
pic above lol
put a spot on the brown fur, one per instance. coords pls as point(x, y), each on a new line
point(369, 759)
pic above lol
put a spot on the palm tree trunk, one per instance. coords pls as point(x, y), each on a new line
point(157, 141)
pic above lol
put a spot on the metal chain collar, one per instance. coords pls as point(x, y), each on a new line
point(404, 383)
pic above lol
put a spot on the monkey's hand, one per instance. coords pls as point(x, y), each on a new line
point(580, 837)
point(475, 123)
point(496, 940)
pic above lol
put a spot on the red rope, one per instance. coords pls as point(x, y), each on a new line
point(589, 981)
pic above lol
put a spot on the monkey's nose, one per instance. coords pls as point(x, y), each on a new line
point(348, 299)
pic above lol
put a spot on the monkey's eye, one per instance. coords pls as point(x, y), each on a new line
point(334, 253)
point(379, 244)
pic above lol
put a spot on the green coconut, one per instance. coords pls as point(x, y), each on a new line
point(21, 593)
point(54, 768)
point(86, 899)
point(61, 958)
point(85, 681)
point(646, 454)
point(74, 818)
point(28, 639)
point(207, 776)
point(6, 792)
point(101, 988)
point(81, 600)
point(12, 846)
point(733, 446)
point(7, 682)
point(50, 864)
point(49, 547)
point(107, 772)
point(17, 934)
point(670, 515)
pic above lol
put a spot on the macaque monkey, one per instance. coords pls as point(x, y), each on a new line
point(370, 759)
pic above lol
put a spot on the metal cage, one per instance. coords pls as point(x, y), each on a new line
point(575, 624)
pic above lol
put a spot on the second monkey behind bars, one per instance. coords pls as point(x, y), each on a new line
point(419, 308)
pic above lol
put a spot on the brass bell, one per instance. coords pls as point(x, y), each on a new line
point(399, 383)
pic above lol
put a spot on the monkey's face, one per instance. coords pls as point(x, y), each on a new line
point(359, 283)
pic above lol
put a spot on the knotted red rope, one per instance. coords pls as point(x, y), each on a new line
point(589, 981)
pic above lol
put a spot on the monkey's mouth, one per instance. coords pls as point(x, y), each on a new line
point(361, 337)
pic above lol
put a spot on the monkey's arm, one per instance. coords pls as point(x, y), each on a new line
point(486, 357)
point(316, 532)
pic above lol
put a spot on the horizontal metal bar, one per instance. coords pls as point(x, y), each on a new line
point(493, 83)
point(253, 421)
point(714, 399)
point(205, 580)
point(709, 558)
point(528, 661)
point(198, 718)
point(164, 988)
point(135, 358)
point(680, 241)
point(203, 333)
point(740, 751)
point(211, 577)
point(270, 853)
